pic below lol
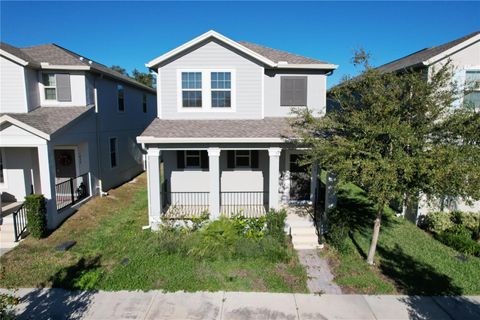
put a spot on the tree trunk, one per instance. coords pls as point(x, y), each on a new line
point(376, 232)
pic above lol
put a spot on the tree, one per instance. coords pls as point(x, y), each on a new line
point(390, 135)
point(119, 70)
point(143, 77)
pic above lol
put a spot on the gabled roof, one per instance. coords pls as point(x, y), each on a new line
point(270, 57)
point(241, 131)
point(430, 55)
point(45, 121)
point(53, 56)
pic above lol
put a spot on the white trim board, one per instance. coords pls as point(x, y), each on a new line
point(209, 140)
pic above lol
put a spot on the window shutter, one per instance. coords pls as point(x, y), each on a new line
point(286, 92)
point(180, 159)
point(254, 155)
point(230, 159)
point(204, 159)
point(300, 91)
point(64, 92)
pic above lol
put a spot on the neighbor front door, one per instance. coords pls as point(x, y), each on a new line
point(299, 179)
point(65, 163)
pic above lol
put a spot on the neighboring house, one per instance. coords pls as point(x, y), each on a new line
point(464, 54)
point(67, 127)
point(222, 141)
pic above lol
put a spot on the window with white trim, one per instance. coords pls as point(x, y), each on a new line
point(113, 152)
point(221, 86)
point(120, 98)
point(472, 86)
point(243, 159)
point(192, 159)
point(50, 86)
point(191, 89)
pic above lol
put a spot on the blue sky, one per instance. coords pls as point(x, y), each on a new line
point(132, 33)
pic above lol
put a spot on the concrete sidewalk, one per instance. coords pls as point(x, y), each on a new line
point(62, 304)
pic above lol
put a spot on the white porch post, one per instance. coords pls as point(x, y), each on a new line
point(154, 188)
point(273, 177)
point(46, 167)
point(330, 193)
point(214, 168)
point(314, 182)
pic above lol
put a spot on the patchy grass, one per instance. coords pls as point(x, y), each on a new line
point(408, 260)
point(114, 253)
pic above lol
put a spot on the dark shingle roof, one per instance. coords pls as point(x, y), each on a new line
point(278, 55)
point(262, 128)
point(56, 55)
point(49, 119)
point(418, 57)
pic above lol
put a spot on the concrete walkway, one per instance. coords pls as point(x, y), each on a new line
point(62, 304)
point(320, 278)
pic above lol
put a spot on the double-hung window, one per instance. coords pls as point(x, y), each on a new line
point(50, 86)
point(113, 152)
point(120, 98)
point(221, 84)
point(191, 89)
point(472, 86)
point(144, 103)
point(243, 159)
point(192, 159)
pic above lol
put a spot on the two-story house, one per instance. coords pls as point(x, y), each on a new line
point(67, 127)
point(463, 54)
point(222, 141)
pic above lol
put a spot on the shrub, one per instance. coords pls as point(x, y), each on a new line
point(252, 228)
point(469, 220)
point(275, 227)
point(36, 215)
point(437, 222)
point(459, 242)
point(339, 229)
point(7, 303)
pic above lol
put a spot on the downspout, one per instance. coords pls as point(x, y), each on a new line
point(97, 135)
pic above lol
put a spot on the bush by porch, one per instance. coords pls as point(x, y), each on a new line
point(113, 253)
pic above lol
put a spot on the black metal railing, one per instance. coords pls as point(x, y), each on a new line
point(72, 191)
point(187, 204)
point(249, 203)
point(19, 222)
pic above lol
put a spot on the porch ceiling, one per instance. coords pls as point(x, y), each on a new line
point(264, 129)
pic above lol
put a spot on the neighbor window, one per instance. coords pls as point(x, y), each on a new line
point(2, 176)
point(144, 103)
point(113, 152)
point(192, 89)
point(120, 98)
point(293, 91)
point(50, 86)
point(242, 158)
point(221, 84)
point(472, 94)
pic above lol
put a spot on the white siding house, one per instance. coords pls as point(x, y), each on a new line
point(222, 142)
point(67, 131)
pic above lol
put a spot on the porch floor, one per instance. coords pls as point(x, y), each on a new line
point(192, 211)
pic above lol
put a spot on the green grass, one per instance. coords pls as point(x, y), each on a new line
point(408, 260)
point(114, 253)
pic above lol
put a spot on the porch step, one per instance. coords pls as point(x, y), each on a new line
point(296, 231)
point(306, 246)
point(303, 232)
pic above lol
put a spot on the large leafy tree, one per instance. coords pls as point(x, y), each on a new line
point(396, 135)
point(143, 77)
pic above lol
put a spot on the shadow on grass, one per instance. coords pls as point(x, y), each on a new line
point(81, 275)
point(413, 277)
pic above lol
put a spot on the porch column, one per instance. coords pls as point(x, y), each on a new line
point(46, 168)
point(330, 193)
point(214, 168)
point(274, 177)
point(154, 188)
point(314, 183)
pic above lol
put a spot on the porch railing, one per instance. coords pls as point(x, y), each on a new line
point(72, 191)
point(19, 222)
point(248, 203)
point(186, 204)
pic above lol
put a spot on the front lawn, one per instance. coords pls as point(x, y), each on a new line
point(114, 253)
point(408, 260)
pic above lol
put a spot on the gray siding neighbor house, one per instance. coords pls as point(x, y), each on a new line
point(67, 128)
point(222, 141)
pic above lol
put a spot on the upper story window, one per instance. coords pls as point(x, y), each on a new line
point(293, 91)
point(472, 84)
point(191, 89)
point(144, 102)
point(57, 86)
point(120, 98)
point(50, 86)
point(113, 152)
point(221, 84)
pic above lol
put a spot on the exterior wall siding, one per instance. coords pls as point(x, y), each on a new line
point(19, 169)
point(13, 92)
point(77, 86)
point(213, 55)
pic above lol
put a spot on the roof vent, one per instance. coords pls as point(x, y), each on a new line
point(89, 61)
point(81, 58)
point(282, 62)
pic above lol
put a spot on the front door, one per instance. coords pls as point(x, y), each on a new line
point(300, 179)
point(65, 163)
